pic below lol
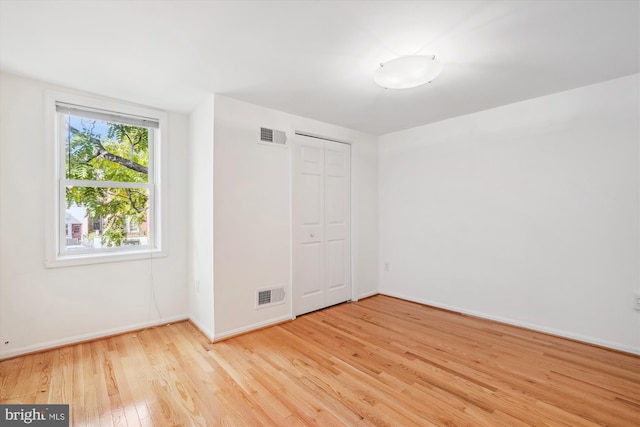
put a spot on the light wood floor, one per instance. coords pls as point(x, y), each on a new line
point(380, 361)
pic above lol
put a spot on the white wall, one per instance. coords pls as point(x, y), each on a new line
point(42, 307)
point(252, 200)
point(201, 217)
point(527, 213)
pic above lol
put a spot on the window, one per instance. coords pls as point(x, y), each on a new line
point(107, 196)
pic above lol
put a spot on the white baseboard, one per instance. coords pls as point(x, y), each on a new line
point(550, 331)
point(205, 331)
point(367, 295)
point(217, 337)
point(249, 328)
point(88, 337)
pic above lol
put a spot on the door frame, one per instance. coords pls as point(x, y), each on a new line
point(300, 133)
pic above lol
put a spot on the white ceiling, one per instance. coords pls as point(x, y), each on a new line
point(317, 58)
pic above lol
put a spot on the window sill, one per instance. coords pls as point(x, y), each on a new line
point(103, 257)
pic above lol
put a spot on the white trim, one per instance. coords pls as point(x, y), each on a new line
point(252, 327)
point(292, 159)
point(551, 331)
point(106, 184)
point(54, 185)
point(318, 136)
point(353, 225)
point(102, 103)
point(207, 333)
point(367, 295)
point(90, 336)
point(95, 257)
point(111, 116)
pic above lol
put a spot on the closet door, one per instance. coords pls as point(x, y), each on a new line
point(337, 233)
point(321, 215)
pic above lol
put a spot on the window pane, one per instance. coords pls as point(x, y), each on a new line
point(97, 218)
point(97, 150)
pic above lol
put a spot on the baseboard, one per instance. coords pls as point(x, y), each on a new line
point(203, 330)
point(250, 328)
point(49, 345)
point(525, 325)
point(367, 295)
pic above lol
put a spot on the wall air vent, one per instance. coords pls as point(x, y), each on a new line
point(273, 137)
point(268, 297)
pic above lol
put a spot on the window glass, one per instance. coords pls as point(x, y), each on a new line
point(107, 184)
point(103, 151)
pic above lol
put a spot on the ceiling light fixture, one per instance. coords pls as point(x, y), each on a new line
point(407, 71)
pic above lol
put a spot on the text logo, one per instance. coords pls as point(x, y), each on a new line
point(34, 415)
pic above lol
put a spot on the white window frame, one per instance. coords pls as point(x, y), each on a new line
point(55, 255)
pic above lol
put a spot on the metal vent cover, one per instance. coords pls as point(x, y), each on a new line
point(273, 137)
point(271, 296)
point(266, 135)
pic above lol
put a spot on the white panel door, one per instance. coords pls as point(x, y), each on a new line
point(308, 290)
point(337, 192)
point(322, 247)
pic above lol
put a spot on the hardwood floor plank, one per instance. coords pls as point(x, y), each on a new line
point(27, 379)
point(87, 414)
point(9, 375)
point(378, 362)
point(61, 389)
point(78, 384)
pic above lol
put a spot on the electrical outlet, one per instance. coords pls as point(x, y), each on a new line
point(387, 266)
point(637, 300)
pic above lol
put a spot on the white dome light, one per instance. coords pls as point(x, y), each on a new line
point(407, 71)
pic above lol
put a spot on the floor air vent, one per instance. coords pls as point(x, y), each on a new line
point(267, 297)
point(273, 137)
